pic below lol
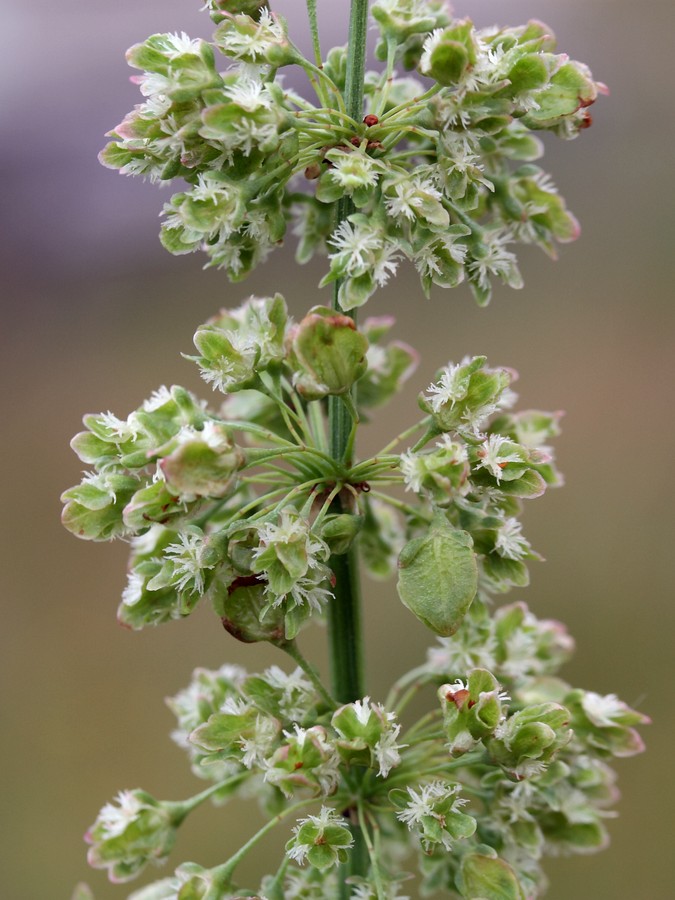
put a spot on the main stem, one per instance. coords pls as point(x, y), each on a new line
point(345, 631)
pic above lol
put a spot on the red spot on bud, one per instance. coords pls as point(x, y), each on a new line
point(586, 121)
point(370, 120)
point(459, 698)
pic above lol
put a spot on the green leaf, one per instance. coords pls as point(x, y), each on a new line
point(488, 878)
point(438, 577)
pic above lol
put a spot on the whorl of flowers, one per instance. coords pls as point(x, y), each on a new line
point(254, 505)
point(440, 168)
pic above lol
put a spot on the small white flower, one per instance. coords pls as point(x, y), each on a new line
point(496, 260)
point(133, 591)
point(310, 590)
point(256, 749)
point(225, 371)
point(249, 93)
point(122, 430)
point(298, 852)
point(510, 542)
point(157, 399)
point(387, 751)
point(451, 387)
point(357, 246)
point(115, 819)
point(253, 46)
point(468, 649)
point(296, 691)
point(422, 806)
point(430, 44)
point(177, 45)
point(362, 710)
point(235, 706)
point(410, 195)
point(353, 170)
point(187, 557)
point(413, 470)
point(492, 458)
point(602, 710)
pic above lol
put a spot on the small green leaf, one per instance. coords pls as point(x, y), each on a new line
point(438, 577)
point(488, 878)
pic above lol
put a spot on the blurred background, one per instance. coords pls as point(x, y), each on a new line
point(95, 315)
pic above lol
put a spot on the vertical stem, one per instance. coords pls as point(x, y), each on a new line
point(345, 630)
point(314, 28)
point(344, 613)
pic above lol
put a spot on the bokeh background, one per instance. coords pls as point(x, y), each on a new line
point(95, 315)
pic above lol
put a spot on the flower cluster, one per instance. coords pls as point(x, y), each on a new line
point(439, 168)
point(535, 758)
point(171, 479)
point(485, 462)
point(261, 504)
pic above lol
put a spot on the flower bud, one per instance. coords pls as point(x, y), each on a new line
point(442, 474)
point(305, 760)
point(530, 738)
point(331, 353)
point(400, 20)
point(368, 735)
point(321, 840)
point(465, 394)
point(237, 731)
point(220, 9)
point(435, 811)
point(154, 504)
point(126, 836)
point(245, 611)
point(571, 88)
point(450, 53)
point(93, 509)
point(606, 723)
point(203, 464)
point(472, 711)
point(339, 532)
point(265, 41)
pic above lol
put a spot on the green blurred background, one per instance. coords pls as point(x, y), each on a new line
point(95, 316)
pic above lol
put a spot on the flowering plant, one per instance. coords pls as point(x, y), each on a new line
point(260, 505)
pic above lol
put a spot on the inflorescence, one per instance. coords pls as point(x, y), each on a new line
point(242, 504)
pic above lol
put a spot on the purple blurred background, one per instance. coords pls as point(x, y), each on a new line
point(95, 316)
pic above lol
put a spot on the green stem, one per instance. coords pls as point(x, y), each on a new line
point(314, 28)
point(222, 874)
point(344, 612)
point(182, 809)
point(294, 652)
point(405, 508)
point(356, 58)
point(373, 854)
point(345, 631)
